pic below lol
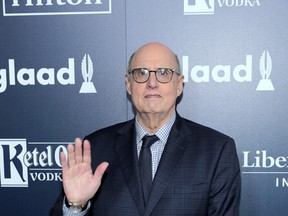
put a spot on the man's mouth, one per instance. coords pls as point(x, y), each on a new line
point(152, 96)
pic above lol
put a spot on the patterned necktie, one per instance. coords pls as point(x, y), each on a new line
point(145, 164)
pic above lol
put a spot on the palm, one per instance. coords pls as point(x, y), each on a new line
point(79, 182)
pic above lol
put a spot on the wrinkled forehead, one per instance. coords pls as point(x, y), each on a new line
point(153, 56)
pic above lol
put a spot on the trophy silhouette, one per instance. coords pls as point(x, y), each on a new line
point(87, 73)
point(265, 66)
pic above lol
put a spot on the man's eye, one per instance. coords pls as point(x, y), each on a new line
point(142, 72)
point(163, 72)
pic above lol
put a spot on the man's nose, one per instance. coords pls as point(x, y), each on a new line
point(152, 82)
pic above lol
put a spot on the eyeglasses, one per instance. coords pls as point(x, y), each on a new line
point(163, 75)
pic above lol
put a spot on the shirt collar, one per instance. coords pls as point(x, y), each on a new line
point(162, 133)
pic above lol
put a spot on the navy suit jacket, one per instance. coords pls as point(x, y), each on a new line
point(198, 173)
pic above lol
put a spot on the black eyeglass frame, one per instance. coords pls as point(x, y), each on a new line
point(131, 71)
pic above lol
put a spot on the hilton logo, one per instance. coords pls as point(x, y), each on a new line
point(55, 7)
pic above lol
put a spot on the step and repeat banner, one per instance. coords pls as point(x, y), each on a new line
point(62, 67)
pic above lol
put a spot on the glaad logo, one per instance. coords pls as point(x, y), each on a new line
point(48, 76)
point(203, 7)
point(55, 7)
point(225, 73)
point(261, 162)
point(219, 73)
point(265, 65)
point(19, 164)
point(87, 73)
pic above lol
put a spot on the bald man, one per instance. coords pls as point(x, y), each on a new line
point(158, 163)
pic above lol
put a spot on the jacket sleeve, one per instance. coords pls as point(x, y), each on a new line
point(224, 194)
point(56, 210)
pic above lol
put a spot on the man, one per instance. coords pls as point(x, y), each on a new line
point(194, 170)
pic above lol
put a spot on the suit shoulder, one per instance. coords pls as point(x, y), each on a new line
point(110, 130)
point(204, 132)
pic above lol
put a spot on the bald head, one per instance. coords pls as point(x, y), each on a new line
point(156, 54)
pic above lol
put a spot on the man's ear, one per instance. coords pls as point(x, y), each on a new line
point(128, 84)
point(180, 85)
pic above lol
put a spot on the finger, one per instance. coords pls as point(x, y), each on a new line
point(63, 164)
point(100, 170)
point(63, 160)
point(78, 150)
point(87, 152)
point(71, 155)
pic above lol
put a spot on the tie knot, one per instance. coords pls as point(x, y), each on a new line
point(148, 140)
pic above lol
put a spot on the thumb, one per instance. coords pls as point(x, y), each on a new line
point(100, 170)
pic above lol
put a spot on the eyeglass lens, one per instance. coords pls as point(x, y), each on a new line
point(163, 75)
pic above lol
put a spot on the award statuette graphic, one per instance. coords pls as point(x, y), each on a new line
point(87, 73)
point(265, 66)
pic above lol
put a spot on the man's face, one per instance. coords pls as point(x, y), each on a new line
point(153, 97)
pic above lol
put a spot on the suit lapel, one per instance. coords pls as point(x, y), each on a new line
point(125, 146)
point(174, 149)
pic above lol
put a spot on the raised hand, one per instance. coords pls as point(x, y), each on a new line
point(79, 182)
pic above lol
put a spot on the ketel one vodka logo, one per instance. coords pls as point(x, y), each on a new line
point(12, 169)
point(265, 66)
point(21, 162)
point(197, 7)
point(203, 7)
point(47, 76)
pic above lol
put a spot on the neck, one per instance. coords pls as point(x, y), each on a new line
point(152, 122)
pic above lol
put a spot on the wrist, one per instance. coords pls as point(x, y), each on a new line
point(75, 206)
